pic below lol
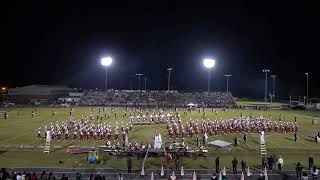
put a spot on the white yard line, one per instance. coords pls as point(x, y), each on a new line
point(298, 141)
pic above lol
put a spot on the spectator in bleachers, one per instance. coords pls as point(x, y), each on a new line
point(154, 98)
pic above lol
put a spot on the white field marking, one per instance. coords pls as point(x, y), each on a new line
point(271, 141)
point(37, 140)
point(310, 147)
point(19, 135)
point(14, 137)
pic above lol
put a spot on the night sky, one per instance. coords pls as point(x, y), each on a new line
point(61, 42)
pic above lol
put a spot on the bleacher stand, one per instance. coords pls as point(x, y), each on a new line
point(156, 98)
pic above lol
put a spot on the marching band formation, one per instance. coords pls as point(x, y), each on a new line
point(88, 128)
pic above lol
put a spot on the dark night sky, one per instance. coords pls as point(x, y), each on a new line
point(60, 42)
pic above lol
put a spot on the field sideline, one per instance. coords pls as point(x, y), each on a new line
point(20, 130)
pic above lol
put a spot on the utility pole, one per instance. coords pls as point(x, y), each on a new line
point(307, 85)
point(145, 84)
point(139, 75)
point(227, 76)
point(169, 71)
point(266, 86)
point(273, 85)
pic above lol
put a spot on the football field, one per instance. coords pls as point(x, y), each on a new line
point(19, 146)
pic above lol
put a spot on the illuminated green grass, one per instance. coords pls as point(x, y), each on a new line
point(20, 130)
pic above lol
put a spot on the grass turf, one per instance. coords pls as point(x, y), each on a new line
point(20, 130)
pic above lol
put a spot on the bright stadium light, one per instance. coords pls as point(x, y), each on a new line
point(209, 63)
point(106, 61)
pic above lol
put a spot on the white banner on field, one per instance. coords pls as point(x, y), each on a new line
point(48, 139)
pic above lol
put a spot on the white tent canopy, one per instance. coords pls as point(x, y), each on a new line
point(219, 143)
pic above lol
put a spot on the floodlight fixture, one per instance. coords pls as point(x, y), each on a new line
point(209, 63)
point(106, 61)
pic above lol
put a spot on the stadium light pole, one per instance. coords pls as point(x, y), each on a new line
point(266, 86)
point(273, 86)
point(227, 76)
point(169, 71)
point(307, 85)
point(139, 75)
point(106, 61)
point(209, 63)
point(145, 84)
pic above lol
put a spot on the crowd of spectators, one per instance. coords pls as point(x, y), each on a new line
point(156, 98)
point(270, 163)
point(5, 175)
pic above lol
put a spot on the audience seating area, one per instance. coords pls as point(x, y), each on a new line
point(156, 98)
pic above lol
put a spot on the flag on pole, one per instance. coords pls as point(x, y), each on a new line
point(173, 177)
point(224, 171)
point(265, 173)
point(142, 171)
point(248, 172)
point(126, 140)
point(162, 171)
point(182, 171)
point(194, 175)
point(206, 137)
point(220, 176)
point(242, 176)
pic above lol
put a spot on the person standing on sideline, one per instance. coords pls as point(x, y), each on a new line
point(5, 115)
point(129, 164)
point(280, 162)
point(197, 141)
point(234, 165)
point(34, 176)
point(243, 166)
point(311, 161)
point(78, 176)
point(245, 138)
point(235, 141)
point(177, 163)
point(299, 170)
point(217, 164)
